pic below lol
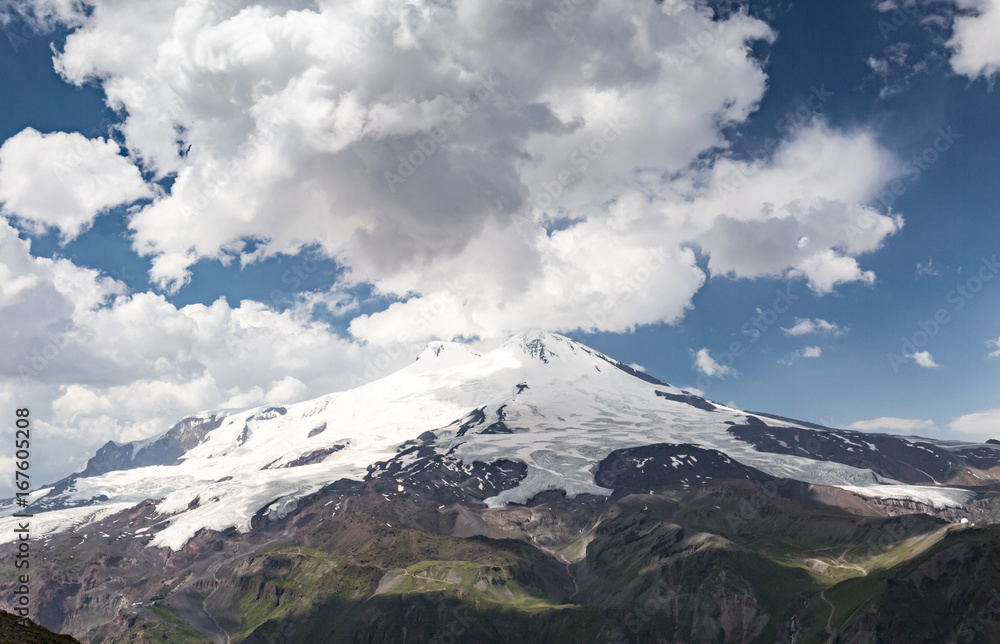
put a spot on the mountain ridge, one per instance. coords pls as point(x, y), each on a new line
point(548, 401)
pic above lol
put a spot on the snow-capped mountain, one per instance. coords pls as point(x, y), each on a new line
point(538, 413)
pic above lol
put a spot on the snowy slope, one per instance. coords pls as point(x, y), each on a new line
point(554, 404)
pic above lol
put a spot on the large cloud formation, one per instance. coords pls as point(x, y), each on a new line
point(65, 181)
point(555, 156)
point(96, 363)
point(487, 165)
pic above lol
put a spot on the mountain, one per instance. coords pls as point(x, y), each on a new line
point(541, 490)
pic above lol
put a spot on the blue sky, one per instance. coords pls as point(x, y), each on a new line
point(841, 154)
point(951, 220)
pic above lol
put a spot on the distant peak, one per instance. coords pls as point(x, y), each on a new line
point(545, 346)
point(440, 350)
point(536, 348)
point(435, 347)
point(537, 344)
point(529, 335)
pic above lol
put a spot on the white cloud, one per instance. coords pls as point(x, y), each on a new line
point(879, 65)
point(926, 269)
point(96, 363)
point(896, 68)
point(825, 270)
point(805, 352)
point(985, 424)
point(64, 180)
point(802, 194)
point(290, 120)
point(806, 326)
point(974, 44)
point(925, 359)
point(637, 366)
point(706, 364)
point(601, 274)
point(890, 424)
point(994, 344)
point(812, 352)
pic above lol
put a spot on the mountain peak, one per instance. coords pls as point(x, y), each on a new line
point(538, 344)
point(535, 333)
point(439, 352)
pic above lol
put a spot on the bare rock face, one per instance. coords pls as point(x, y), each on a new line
point(165, 450)
point(664, 465)
point(903, 459)
point(727, 610)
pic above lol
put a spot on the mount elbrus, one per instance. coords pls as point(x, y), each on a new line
point(538, 492)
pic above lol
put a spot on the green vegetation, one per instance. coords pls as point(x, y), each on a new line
point(165, 626)
point(166, 614)
point(470, 582)
point(496, 584)
point(291, 580)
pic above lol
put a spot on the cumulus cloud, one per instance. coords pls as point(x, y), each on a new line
point(890, 424)
point(64, 181)
point(925, 359)
point(825, 270)
point(806, 326)
point(805, 352)
point(995, 345)
point(974, 44)
point(985, 424)
point(966, 28)
point(706, 364)
point(95, 362)
point(413, 141)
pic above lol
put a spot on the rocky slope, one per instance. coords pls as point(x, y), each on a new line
point(15, 633)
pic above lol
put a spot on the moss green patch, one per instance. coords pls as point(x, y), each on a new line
point(142, 631)
point(472, 582)
point(292, 580)
point(166, 614)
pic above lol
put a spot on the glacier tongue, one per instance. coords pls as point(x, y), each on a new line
point(541, 398)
